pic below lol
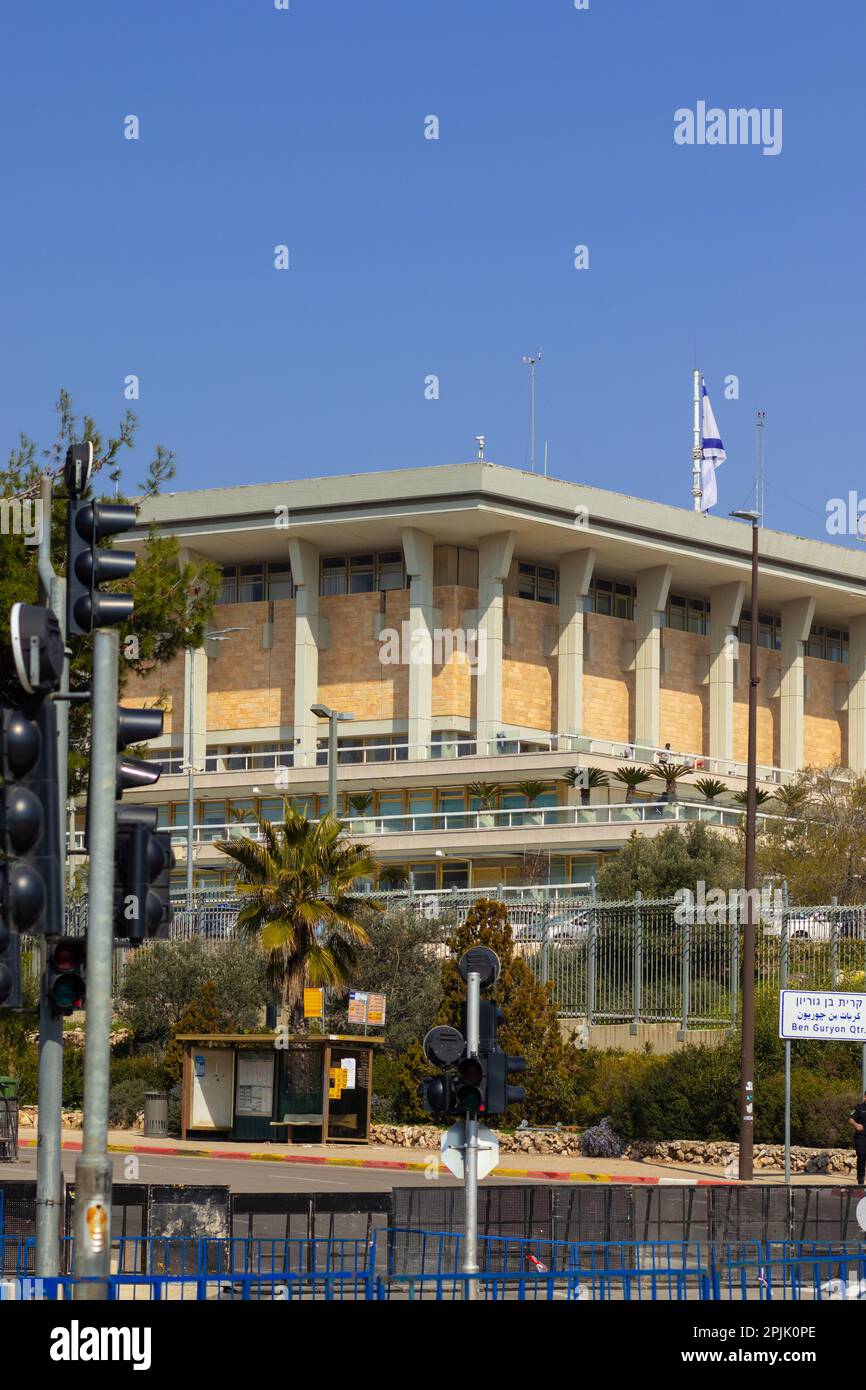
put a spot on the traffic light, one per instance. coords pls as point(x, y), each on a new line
point(88, 523)
point(10, 967)
point(64, 983)
point(144, 860)
point(436, 1094)
point(499, 1094)
point(30, 872)
point(133, 726)
point(470, 1087)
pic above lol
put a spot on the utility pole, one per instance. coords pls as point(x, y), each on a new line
point(747, 1033)
point(49, 1170)
point(93, 1168)
point(531, 363)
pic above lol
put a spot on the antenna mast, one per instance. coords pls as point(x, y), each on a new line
point(759, 474)
point(531, 363)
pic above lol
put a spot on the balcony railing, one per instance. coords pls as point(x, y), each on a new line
point(522, 818)
point(502, 746)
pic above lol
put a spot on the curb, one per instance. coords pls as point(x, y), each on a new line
point(381, 1165)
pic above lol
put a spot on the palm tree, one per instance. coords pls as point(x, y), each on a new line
point(632, 777)
point(586, 778)
point(791, 796)
point(392, 877)
point(532, 790)
point(299, 881)
point(760, 797)
point(672, 772)
point(711, 787)
point(486, 793)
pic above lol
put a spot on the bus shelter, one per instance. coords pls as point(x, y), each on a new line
point(307, 1089)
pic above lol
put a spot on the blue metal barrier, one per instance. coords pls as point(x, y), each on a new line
point(415, 1265)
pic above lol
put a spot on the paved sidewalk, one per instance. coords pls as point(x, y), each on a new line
point(542, 1167)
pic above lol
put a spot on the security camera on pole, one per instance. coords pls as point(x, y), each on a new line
point(474, 1083)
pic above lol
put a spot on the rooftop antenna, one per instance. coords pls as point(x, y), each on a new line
point(759, 474)
point(531, 363)
point(545, 458)
point(479, 440)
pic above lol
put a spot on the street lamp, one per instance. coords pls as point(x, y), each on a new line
point(333, 717)
point(219, 636)
point(747, 1032)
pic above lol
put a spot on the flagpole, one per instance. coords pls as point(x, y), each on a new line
point(697, 451)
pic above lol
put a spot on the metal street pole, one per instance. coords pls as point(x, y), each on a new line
point(470, 1157)
point(783, 981)
point(190, 768)
point(332, 762)
point(747, 1033)
point(93, 1168)
point(49, 1169)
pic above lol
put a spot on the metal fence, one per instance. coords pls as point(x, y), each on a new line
point(640, 961)
point(517, 1270)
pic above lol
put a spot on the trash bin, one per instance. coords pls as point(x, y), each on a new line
point(155, 1112)
point(8, 1118)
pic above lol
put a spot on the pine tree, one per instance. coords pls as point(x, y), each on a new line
point(201, 1016)
point(531, 1028)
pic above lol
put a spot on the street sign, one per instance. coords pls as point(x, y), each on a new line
point(314, 1006)
point(825, 1015)
point(366, 1008)
point(376, 1010)
point(454, 1142)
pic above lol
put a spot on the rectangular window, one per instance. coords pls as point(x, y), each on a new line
point(334, 575)
point(280, 581)
point(390, 567)
point(228, 589)
point(828, 643)
point(251, 583)
point(361, 574)
point(536, 582)
point(423, 877)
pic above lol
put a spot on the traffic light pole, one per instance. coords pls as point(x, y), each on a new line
point(49, 1169)
point(470, 1156)
point(93, 1168)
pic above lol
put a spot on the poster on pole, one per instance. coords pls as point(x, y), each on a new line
point(824, 1015)
point(357, 1006)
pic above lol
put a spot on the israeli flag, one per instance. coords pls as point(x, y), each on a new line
point(713, 453)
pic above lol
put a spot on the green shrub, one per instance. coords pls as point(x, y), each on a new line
point(129, 1078)
point(689, 1094)
point(820, 1107)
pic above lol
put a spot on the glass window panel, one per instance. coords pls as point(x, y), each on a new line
point(423, 876)
point(390, 803)
point(228, 589)
point(452, 801)
point(334, 576)
point(419, 802)
point(271, 809)
point(361, 574)
point(280, 581)
point(455, 875)
point(179, 814)
point(251, 583)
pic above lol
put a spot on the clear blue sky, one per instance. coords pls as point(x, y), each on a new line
point(411, 257)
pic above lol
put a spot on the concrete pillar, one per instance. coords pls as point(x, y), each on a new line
point(857, 694)
point(305, 572)
point(653, 586)
point(796, 622)
point(575, 574)
point(494, 561)
point(726, 603)
point(195, 751)
point(418, 554)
